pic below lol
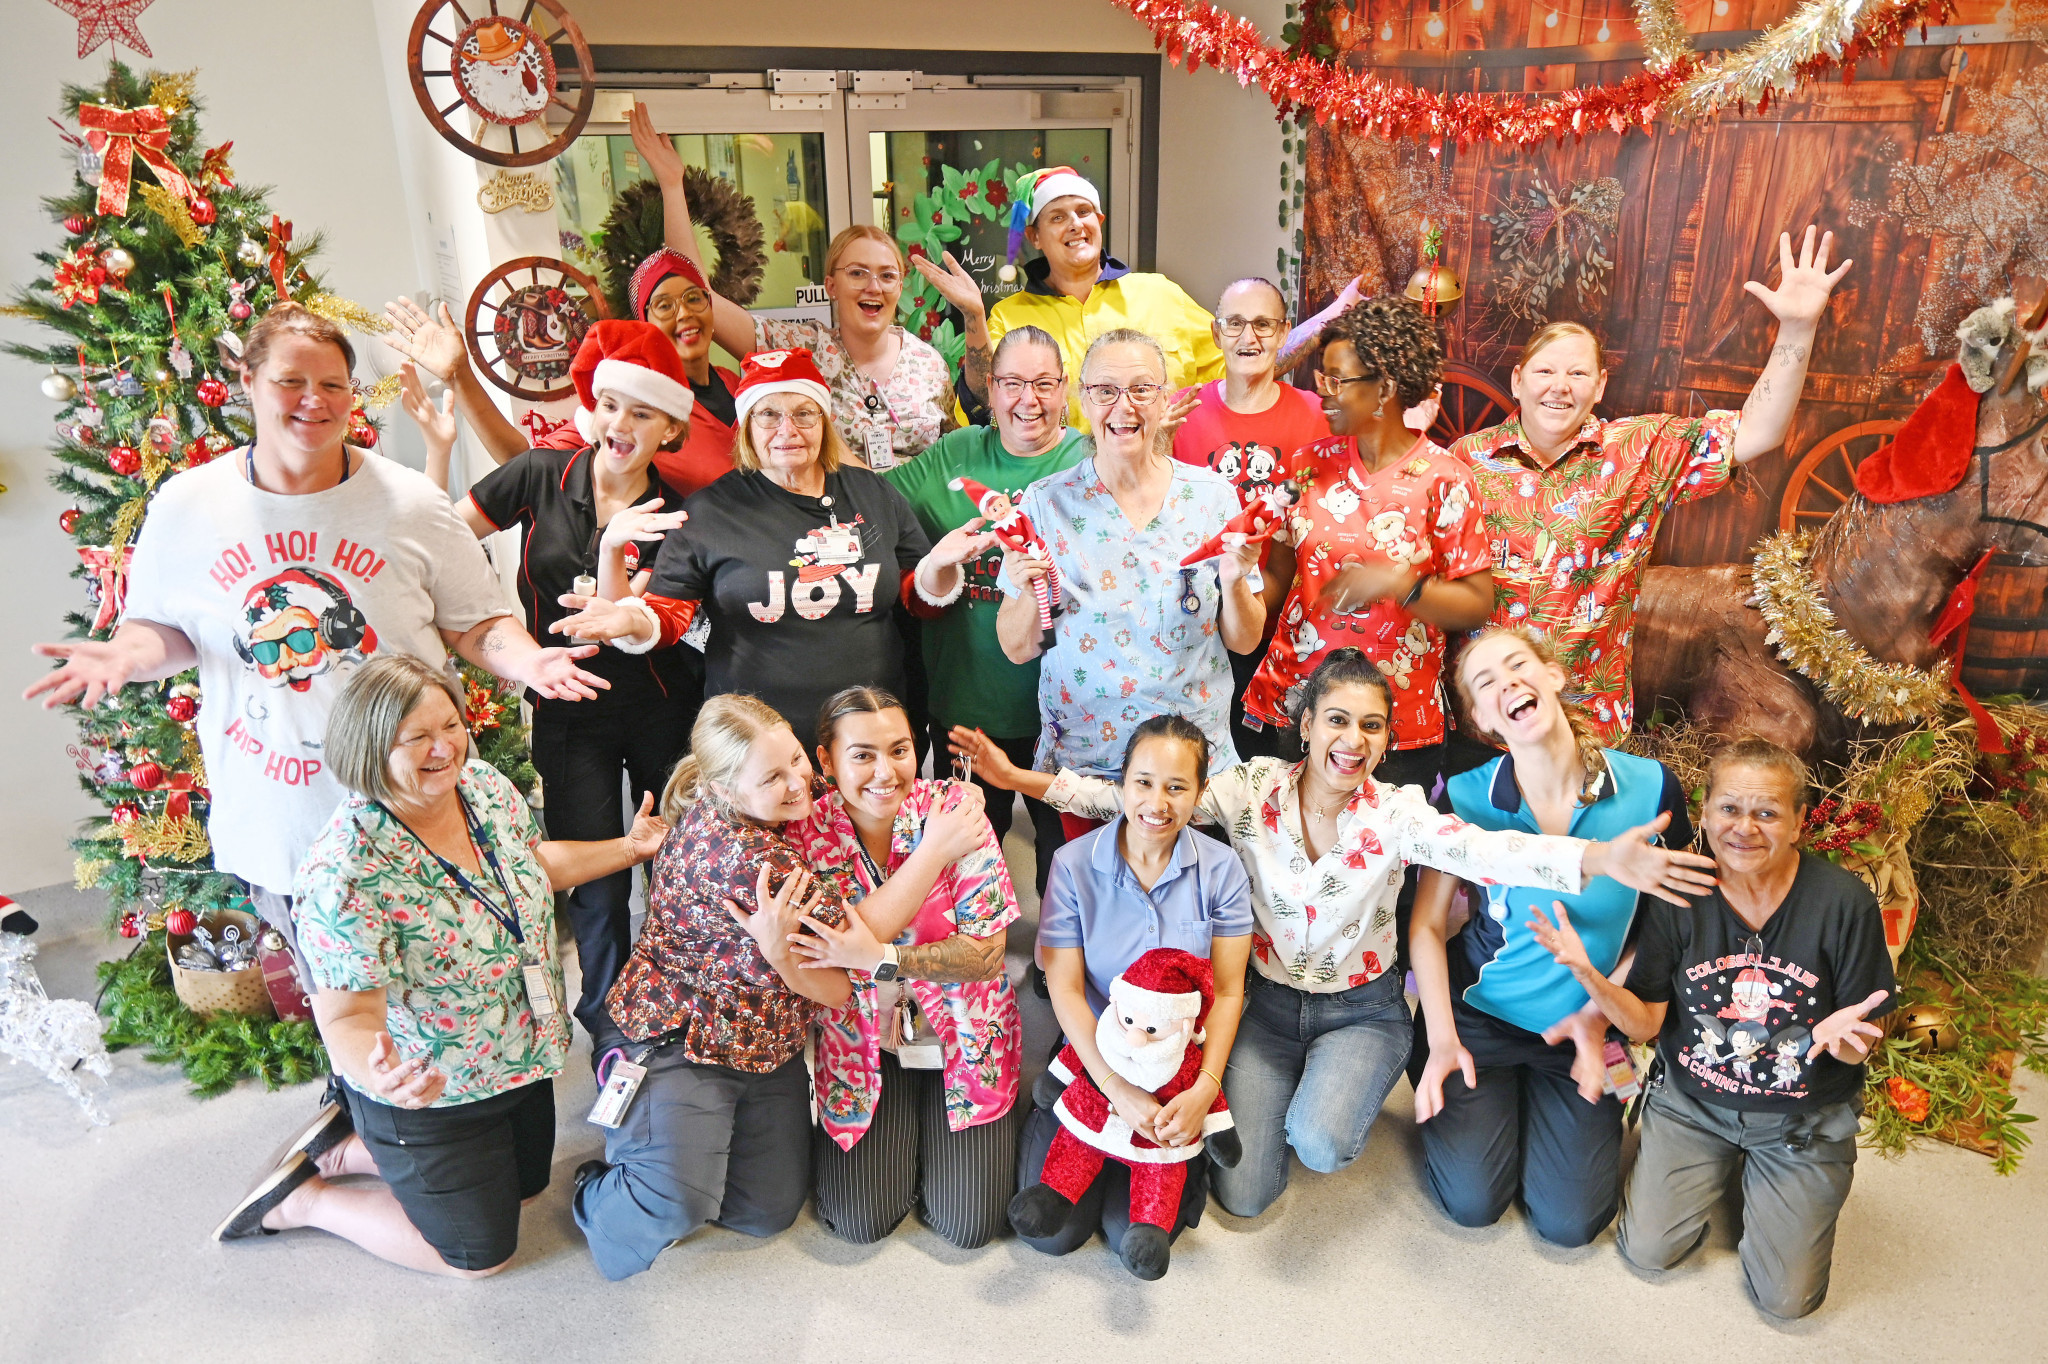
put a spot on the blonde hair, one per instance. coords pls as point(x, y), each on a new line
point(295, 319)
point(363, 728)
point(847, 236)
point(1592, 753)
point(725, 732)
point(832, 447)
point(1558, 331)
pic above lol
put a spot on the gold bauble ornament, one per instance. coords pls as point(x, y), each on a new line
point(1448, 287)
point(1927, 1027)
point(250, 252)
point(118, 262)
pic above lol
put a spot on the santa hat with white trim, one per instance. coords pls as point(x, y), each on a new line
point(768, 372)
point(632, 360)
point(1166, 983)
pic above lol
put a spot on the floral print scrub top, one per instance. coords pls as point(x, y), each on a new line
point(373, 908)
point(976, 1021)
point(1125, 645)
point(1570, 542)
point(914, 402)
point(1327, 924)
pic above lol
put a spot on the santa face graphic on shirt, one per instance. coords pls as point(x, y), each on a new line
point(301, 625)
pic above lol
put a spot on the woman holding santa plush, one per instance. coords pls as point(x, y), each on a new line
point(1326, 1029)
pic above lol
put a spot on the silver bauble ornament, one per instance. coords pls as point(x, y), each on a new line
point(58, 388)
point(250, 252)
point(118, 261)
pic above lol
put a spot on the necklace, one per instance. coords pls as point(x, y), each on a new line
point(1318, 811)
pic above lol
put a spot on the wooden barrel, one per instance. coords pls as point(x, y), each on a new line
point(2008, 649)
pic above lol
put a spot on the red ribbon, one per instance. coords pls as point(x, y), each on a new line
point(121, 135)
point(182, 788)
point(1955, 620)
point(280, 259)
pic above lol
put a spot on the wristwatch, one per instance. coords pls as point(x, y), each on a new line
point(886, 968)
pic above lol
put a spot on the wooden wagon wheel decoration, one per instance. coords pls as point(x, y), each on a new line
point(1471, 402)
point(1825, 477)
point(525, 322)
point(501, 68)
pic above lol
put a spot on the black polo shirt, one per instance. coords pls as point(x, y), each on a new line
point(549, 494)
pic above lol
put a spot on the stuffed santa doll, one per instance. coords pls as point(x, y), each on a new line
point(1014, 532)
point(1151, 1035)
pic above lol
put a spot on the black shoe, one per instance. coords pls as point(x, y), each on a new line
point(330, 1127)
point(1039, 1212)
point(335, 1093)
point(268, 1192)
point(1147, 1251)
point(587, 1171)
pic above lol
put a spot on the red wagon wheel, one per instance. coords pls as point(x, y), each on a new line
point(1471, 402)
point(1825, 477)
point(525, 322)
point(501, 68)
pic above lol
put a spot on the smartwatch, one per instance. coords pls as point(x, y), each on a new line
point(1415, 591)
point(886, 968)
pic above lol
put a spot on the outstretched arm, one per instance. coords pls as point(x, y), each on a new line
point(731, 325)
point(1797, 303)
point(1301, 342)
point(1623, 1007)
point(435, 345)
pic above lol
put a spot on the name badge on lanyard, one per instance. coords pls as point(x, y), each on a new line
point(880, 452)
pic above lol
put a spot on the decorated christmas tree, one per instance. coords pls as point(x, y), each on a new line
point(164, 263)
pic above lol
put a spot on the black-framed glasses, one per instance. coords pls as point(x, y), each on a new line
point(300, 641)
point(1262, 327)
point(1105, 395)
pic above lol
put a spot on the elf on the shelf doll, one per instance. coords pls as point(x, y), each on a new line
point(1151, 1035)
point(1014, 532)
point(1262, 518)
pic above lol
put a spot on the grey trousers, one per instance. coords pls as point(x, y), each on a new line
point(1796, 1169)
point(699, 1144)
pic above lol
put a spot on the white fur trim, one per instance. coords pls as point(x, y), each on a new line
point(634, 646)
point(1059, 1066)
point(1059, 187)
point(1117, 1140)
point(746, 398)
point(917, 580)
point(1217, 1122)
point(657, 390)
point(1154, 1003)
point(586, 423)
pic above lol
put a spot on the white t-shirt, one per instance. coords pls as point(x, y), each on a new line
point(285, 597)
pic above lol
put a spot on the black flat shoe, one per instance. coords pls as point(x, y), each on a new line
point(267, 1193)
point(329, 1128)
point(587, 1171)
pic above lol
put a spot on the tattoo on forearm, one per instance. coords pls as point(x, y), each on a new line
point(975, 365)
point(950, 961)
point(1788, 353)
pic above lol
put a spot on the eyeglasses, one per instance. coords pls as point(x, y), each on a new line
point(1011, 386)
point(665, 305)
point(1105, 395)
point(859, 275)
point(300, 641)
point(768, 418)
point(1333, 387)
point(1262, 327)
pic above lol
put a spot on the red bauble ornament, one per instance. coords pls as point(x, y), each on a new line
point(195, 451)
point(66, 519)
point(202, 210)
point(179, 923)
point(181, 709)
point(131, 926)
point(78, 224)
point(125, 460)
point(85, 435)
point(363, 434)
point(212, 391)
point(127, 812)
point(146, 776)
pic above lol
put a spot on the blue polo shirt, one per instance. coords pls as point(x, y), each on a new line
point(1094, 902)
point(1496, 964)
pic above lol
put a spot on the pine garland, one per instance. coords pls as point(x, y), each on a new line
point(142, 1009)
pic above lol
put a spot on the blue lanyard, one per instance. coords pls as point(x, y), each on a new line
point(509, 921)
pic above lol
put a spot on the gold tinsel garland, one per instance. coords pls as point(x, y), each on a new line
point(171, 208)
point(171, 91)
point(382, 393)
point(1664, 33)
point(1802, 628)
point(1820, 36)
point(346, 313)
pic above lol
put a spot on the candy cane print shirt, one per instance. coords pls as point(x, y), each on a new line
point(285, 597)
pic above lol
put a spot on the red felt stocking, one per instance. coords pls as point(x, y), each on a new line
point(1070, 1166)
point(1155, 1193)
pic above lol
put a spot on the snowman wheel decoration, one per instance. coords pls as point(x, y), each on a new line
point(501, 71)
point(525, 322)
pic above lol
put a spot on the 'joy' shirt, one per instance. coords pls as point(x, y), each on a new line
point(1744, 1001)
point(801, 590)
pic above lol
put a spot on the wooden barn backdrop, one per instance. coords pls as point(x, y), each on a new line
point(1648, 239)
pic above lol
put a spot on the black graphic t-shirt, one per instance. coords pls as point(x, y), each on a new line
point(1744, 1001)
point(801, 591)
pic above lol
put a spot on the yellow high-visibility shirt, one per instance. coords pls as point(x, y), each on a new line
point(1148, 303)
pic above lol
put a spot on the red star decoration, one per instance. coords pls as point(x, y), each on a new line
point(100, 20)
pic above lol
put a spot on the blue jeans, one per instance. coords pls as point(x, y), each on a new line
point(1308, 1071)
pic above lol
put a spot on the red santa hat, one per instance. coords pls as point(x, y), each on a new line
point(977, 493)
point(1931, 452)
point(768, 372)
point(1166, 983)
point(665, 264)
point(633, 360)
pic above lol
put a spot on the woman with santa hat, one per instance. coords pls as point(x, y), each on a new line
point(798, 558)
point(591, 513)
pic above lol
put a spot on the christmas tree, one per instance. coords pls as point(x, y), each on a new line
point(165, 262)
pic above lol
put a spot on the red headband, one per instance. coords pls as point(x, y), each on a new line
point(649, 274)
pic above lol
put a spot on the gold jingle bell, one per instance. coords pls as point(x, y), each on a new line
point(1927, 1027)
point(1448, 287)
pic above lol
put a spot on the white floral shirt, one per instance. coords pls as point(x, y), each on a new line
point(914, 402)
point(1327, 924)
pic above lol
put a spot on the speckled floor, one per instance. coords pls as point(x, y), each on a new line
point(103, 1236)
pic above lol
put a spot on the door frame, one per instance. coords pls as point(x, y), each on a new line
point(629, 64)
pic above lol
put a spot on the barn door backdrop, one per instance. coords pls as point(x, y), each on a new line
point(1648, 239)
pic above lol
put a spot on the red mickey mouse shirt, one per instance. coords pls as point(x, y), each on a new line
point(1251, 449)
point(1418, 513)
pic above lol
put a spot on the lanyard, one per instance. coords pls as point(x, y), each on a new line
point(249, 465)
point(509, 921)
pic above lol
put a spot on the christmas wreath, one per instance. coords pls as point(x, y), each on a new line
point(634, 230)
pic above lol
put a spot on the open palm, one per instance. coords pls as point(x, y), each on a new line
point(1803, 284)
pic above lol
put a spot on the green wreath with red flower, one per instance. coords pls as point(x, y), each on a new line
point(930, 226)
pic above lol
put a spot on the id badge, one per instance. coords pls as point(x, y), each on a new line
point(1621, 1072)
point(540, 991)
point(617, 1095)
point(880, 449)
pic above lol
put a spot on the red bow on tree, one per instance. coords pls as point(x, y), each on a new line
point(1955, 620)
point(182, 788)
point(108, 569)
point(121, 135)
point(280, 258)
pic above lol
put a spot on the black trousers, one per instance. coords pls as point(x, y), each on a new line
point(1106, 1207)
point(1047, 832)
point(1251, 743)
point(580, 749)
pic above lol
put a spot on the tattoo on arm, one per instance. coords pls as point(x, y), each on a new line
point(951, 961)
point(493, 641)
point(1790, 354)
point(974, 366)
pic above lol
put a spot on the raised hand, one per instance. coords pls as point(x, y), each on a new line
point(649, 830)
point(436, 424)
point(1840, 1034)
point(1636, 862)
point(991, 764)
point(962, 543)
point(435, 346)
point(555, 675)
point(1429, 1089)
point(656, 151)
point(952, 281)
point(1183, 406)
point(644, 522)
point(1803, 284)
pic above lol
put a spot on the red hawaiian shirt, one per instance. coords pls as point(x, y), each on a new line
point(1418, 511)
point(1570, 541)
